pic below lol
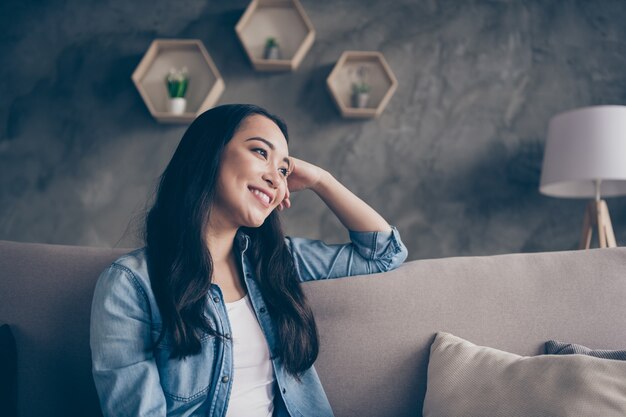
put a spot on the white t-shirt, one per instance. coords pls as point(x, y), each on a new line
point(252, 393)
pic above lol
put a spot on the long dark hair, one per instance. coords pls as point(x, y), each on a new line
point(180, 264)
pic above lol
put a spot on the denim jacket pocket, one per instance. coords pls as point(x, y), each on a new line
point(186, 379)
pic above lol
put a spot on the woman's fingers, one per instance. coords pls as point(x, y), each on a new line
point(286, 203)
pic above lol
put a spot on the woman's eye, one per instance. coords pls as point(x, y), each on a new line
point(261, 152)
point(284, 171)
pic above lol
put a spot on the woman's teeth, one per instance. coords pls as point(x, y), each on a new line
point(261, 195)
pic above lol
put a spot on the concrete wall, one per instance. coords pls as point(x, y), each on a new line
point(454, 161)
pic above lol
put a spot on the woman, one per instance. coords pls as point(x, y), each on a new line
point(208, 318)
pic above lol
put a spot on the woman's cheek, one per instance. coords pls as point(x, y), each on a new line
point(281, 197)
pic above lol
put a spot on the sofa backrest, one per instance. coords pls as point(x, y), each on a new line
point(45, 296)
point(375, 330)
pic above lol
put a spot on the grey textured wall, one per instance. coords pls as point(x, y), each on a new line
point(454, 161)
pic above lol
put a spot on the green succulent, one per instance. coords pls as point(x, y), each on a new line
point(361, 87)
point(271, 42)
point(177, 82)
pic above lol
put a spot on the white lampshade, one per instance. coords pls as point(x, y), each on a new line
point(585, 145)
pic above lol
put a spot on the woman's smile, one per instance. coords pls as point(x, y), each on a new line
point(261, 196)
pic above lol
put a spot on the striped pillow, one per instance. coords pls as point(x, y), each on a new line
point(554, 347)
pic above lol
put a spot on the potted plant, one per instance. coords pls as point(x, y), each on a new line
point(177, 82)
point(272, 49)
point(360, 94)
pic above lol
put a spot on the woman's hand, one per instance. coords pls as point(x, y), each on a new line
point(303, 175)
point(354, 213)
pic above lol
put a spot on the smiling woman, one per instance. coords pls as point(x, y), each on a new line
point(255, 159)
point(209, 317)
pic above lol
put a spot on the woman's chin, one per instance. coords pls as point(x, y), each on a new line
point(256, 222)
point(255, 218)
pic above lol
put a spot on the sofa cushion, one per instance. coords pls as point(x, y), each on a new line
point(8, 372)
point(470, 381)
point(554, 347)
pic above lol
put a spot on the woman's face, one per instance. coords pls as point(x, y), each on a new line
point(252, 180)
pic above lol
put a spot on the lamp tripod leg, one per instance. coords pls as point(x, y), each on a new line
point(604, 225)
point(601, 225)
point(587, 233)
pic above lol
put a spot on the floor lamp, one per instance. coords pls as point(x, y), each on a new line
point(585, 157)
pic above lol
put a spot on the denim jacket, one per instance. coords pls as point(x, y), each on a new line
point(134, 380)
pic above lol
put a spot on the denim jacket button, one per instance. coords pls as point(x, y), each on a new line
point(216, 299)
point(225, 379)
point(262, 310)
point(227, 336)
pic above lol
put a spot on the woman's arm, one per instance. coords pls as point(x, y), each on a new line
point(367, 253)
point(354, 213)
point(375, 245)
point(123, 367)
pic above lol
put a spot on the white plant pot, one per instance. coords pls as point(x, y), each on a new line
point(177, 105)
point(359, 100)
point(272, 52)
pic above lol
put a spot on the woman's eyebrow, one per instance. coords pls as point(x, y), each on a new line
point(271, 146)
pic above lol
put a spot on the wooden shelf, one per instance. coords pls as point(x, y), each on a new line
point(283, 20)
point(205, 82)
point(361, 66)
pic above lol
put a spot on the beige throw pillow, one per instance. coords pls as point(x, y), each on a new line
point(476, 381)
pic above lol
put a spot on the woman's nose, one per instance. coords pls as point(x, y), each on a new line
point(271, 178)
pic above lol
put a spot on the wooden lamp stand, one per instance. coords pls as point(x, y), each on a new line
point(597, 215)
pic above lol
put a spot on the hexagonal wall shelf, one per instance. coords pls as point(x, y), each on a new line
point(367, 71)
point(205, 82)
point(283, 20)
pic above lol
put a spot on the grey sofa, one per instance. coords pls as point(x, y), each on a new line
point(375, 330)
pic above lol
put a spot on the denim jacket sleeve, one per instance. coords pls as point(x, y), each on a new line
point(367, 253)
point(123, 366)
